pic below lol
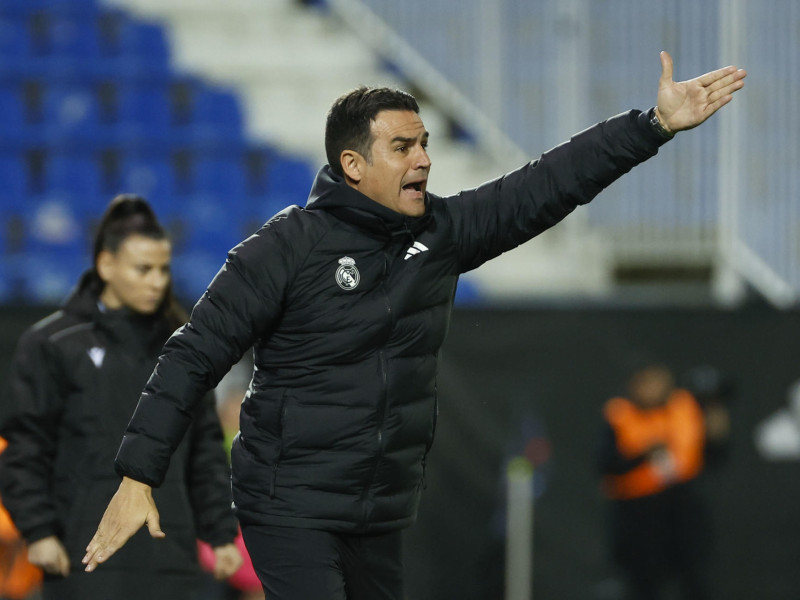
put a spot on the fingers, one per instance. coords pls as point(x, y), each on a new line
point(102, 547)
point(728, 83)
point(713, 76)
point(130, 508)
point(666, 68)
point(722, 91)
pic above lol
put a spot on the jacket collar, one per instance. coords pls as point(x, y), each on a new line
point(150, 331)
point(332, 194)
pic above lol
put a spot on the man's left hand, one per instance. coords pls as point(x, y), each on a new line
point(685, 104)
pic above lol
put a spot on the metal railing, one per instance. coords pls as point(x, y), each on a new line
point(523, 75)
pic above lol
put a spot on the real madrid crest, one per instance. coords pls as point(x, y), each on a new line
point(347, 275)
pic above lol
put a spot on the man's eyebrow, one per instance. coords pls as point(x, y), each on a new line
point(408, 140)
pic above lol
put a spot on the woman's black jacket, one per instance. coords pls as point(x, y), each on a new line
point(71, 390)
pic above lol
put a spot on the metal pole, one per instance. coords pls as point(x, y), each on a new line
point(519, 530)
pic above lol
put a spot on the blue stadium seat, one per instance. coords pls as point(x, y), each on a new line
point(26, 7)
point(77, 178)
point(144, 46)
point(14, 41)
point(289, 180)
point(150, 177)
point(72, 114)
point(15, 186)
point(216, 119)
point(8, 291)
point(144, 115)
point(47, 277)
point(193, 271)
point(53, 224)
point(74, 37)
point(12, 118)
point(221, 176)
point(211, 223)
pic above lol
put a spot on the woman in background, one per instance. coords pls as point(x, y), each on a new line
point(73, 386)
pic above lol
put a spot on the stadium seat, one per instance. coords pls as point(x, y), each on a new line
point(216, 119)
point(15, 185)
point(12, 118)
point(47, 277)
point(221, 176)
point(151, 178)
point(71, 114)
point(52, 224)
point(289, 179)
point(193, 271)
point(78, 178)
point(212, 223)
point(145, 115)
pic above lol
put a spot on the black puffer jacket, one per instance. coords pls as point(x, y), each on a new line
point(72, 388)
point(347, 304)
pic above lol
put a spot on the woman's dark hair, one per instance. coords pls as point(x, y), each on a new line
point(350, 118)
point(128, 215)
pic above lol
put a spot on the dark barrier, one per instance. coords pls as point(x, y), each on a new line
point(533, 382)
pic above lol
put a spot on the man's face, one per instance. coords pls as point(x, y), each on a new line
point(397, 173)
point(136, 275)
point(651, 387)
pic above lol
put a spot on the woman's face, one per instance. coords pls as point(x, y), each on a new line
point(136, 275)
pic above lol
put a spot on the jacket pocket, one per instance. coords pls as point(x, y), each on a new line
point(432, 435)
point(281, 442)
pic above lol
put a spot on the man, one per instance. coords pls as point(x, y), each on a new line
point(652, 451)
point(347, 304)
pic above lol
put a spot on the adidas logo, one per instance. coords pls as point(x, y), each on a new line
point(415, 249)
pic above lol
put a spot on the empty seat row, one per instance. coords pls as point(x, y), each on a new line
point(106, 34)
point(183, 112)
point(258, 172)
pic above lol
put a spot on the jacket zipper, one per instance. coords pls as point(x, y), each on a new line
point(381, 414)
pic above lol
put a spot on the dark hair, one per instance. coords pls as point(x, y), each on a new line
point(348, 126)
point(128, 215)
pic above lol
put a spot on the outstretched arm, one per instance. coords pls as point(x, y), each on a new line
point(685, 104)
point(130, 508)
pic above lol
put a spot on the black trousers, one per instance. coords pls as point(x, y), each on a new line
point(307, 564)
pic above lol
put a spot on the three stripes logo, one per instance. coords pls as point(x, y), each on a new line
point(415, 249)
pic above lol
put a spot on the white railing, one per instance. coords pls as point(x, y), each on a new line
point(526, 74)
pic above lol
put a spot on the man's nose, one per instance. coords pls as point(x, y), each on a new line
point(423, 160)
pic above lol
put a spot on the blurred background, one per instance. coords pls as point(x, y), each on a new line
point(215, 112)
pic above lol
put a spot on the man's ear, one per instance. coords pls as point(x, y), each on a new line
point(352, 164)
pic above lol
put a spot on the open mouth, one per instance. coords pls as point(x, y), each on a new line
point(416, 186)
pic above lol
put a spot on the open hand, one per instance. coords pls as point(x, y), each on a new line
point(130, 508)
point(685, 104)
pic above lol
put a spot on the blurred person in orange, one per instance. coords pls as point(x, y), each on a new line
point(71, 390)
point(652, 452)
point(19, 579)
